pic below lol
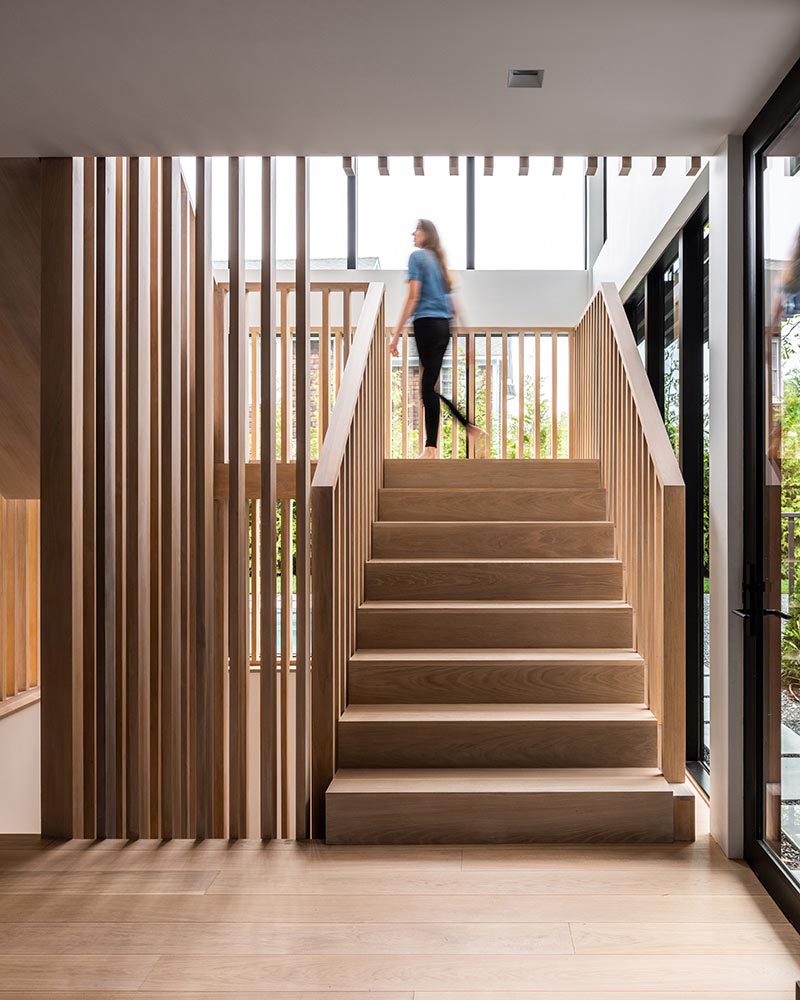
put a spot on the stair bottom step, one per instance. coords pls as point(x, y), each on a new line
point(491, 806)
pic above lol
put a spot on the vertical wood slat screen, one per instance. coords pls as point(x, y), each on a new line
point(131, 703)
point(505, 380)
point(147, 548)
point(615, 419)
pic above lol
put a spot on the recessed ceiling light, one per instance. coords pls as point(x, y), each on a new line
point(525, 77)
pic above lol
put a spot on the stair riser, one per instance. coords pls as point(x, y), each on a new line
point(379, 683)
point(493, 581)
point(603, 628)
point(492, 505)
point(506, 473)
point(506, 743)
point(490, 818)
point(476, 540)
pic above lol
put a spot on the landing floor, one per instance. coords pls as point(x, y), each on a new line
point(409, 923)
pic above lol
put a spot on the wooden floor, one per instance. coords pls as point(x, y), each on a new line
point(400, 923)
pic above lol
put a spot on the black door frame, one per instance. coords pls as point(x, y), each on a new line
point(769, 123)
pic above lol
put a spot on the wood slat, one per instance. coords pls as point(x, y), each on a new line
point(137, 458)
point(106, 544)
point(61, 481)
point(171, 721)
point(303, 529)
point(268, 738)
point(237, 507)
point(208, 742)
point(219, 684)
point(155, 496)
point(89, 511)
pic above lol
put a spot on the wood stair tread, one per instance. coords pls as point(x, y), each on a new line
point(493, 605)
point(489, 560)
point(441, 781)
point(496, 713)
point(489, 654)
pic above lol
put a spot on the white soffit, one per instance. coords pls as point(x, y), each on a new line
point(366, 76)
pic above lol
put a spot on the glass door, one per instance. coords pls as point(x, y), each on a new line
point(780, 283)
point(772, 507)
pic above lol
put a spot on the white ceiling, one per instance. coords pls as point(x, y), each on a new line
point(386, 76)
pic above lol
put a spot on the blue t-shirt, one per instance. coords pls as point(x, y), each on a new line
point(434, 298)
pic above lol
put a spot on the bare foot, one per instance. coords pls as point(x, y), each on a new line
point(479, 439)
point(428, 453)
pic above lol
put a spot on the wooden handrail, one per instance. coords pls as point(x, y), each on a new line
point(344, 499)
point(655, 432)
point(616, 420)
point(332, 454)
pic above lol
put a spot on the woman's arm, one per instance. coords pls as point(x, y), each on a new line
point(411, 301)
point(457, 310)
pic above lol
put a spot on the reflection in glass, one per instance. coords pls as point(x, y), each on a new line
point(672, 357)
point(781, 652)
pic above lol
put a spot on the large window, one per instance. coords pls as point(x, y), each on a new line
point(534, 222)
point(388, 209)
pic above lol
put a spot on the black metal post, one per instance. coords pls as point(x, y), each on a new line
point(470, 213)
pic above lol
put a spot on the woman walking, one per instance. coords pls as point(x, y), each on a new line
point(430, 304)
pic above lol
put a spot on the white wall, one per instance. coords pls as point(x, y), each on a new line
point(20, 772)
point(726, 333)
point(644, 213)
point(489, 298)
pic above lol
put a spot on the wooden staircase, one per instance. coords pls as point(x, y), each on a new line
point(495, 694)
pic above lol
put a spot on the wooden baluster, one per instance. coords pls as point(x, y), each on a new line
point(219, 679)
point(404, 396)
point(89, 511)
point(237, 508)
point(185, 532)
point(171, 727)
point(537, 413)
point(521, 398)
point(324, 368)
point(454, 395)
point(206, 719)
point(286, 379)
point(346, 324)
point(120, 499)
point(61, 480)
point(488, 381)
point(504, 396)
point(471, 389)
point(303, 563)
point(268, 694)
point(554, 432)
point(137, 567)
point(106, 548)
point(286, 657)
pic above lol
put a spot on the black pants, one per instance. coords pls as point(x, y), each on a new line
point(432, 335)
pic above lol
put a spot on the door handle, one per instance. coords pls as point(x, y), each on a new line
point(740, 613)
point(777, 614)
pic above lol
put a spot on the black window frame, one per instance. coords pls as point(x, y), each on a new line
point(688, 247)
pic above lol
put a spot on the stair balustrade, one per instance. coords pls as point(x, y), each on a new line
point(344, 501)
point(616, 420)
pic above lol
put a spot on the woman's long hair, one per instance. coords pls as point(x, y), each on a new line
point(432, 242)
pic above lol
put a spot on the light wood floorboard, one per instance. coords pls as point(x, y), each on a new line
point(301, 922)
